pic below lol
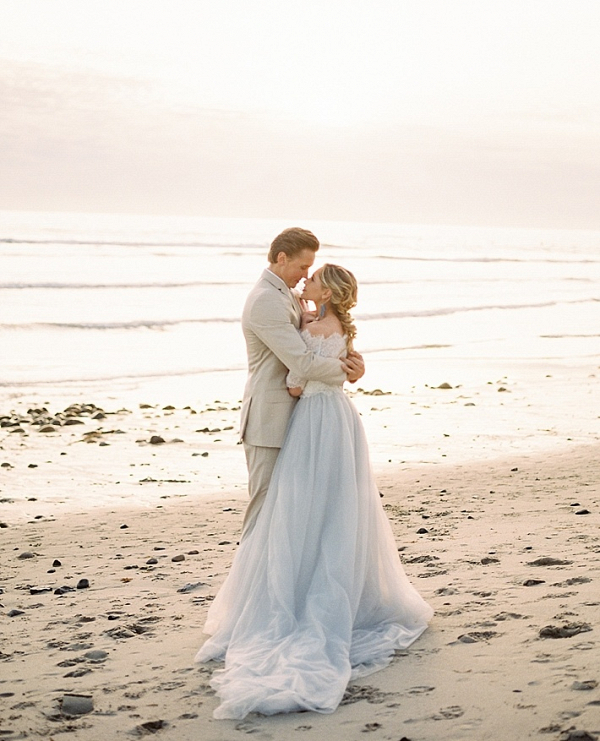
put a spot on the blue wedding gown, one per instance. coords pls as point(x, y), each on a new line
point(316, 595)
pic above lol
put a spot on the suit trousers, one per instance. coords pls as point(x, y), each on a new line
point(261, 462)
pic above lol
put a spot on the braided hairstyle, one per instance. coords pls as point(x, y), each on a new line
point(344, 288)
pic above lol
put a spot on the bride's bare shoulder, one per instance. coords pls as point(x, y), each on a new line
point(324, 327)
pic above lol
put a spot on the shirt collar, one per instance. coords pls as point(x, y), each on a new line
point(282, 285)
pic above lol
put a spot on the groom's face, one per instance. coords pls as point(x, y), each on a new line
point(293, 269)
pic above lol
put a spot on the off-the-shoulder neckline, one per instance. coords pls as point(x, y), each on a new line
point(325, 337)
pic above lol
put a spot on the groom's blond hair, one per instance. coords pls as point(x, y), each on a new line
point(292, 242)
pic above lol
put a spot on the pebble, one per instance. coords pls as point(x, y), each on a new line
point(564, 631)
point(156, 440)
point(583, 512)
point(533, 582)
point(422, 531)
point(77, 704)
point(96, 655)
point(547, 561)
point(589, 684)
point(82, 671)
point(83, 584)
point(150, 727)
point(56, 563)
point(179, 557)
point(14, 613)
point(63, 590)
point(152, 561)
point(25, 554)
point(187, 588)
point(39, 590)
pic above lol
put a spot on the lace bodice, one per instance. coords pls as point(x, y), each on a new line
point(333, 346)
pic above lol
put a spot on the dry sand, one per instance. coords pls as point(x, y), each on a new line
point(507, 551)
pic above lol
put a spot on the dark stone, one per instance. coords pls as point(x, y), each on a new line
point(14, 613)
point(63, 590)
point(152, 561)
point(83, 584)
point(583, 512)
point(151, 726)
point(96, 655)
point(564, 631)
point(548, 561)
point(82, 671)
point(422, 531)
point(588, 684)
point(533, 582)
point(77, 704)
point(25, 554)
point(156, 440)
point(179, 557)
point(190, 587)
point(56, 563)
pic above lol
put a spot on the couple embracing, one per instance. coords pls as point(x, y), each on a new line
point(316, 595)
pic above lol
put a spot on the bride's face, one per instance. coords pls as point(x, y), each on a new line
point(313, 288)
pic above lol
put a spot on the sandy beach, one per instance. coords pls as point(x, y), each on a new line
point(114, 543)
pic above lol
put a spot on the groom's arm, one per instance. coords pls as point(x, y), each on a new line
point(271, 323)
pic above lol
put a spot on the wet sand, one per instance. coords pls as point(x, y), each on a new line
point(112, 552)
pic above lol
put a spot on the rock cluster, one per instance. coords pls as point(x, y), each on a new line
point(47, 421)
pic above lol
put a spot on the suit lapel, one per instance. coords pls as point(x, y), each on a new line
point(292, 297)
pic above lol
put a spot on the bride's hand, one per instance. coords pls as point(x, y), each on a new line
point(307, 318)
point(354, 366)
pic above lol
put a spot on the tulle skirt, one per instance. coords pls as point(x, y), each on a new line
point(316, 595)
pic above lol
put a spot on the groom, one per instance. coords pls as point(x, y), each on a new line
point(270, 322)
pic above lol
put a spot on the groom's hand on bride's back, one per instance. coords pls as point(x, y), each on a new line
point(354, 366)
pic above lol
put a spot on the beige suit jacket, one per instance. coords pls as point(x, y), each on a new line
point(270, 323)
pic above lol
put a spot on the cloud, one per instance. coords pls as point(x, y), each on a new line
point(98, 142)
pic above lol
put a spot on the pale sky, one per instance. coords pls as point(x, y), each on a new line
point(410, 111)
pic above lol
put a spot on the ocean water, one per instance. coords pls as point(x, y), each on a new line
point(142, 305)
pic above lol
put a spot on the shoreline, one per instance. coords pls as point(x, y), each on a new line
point(128, 640)
point(453, 416)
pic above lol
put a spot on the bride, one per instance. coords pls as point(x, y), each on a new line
point(316, 595)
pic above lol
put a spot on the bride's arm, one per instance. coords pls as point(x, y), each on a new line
point(295, 384)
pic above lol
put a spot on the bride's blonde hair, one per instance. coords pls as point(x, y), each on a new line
point(344, 290)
